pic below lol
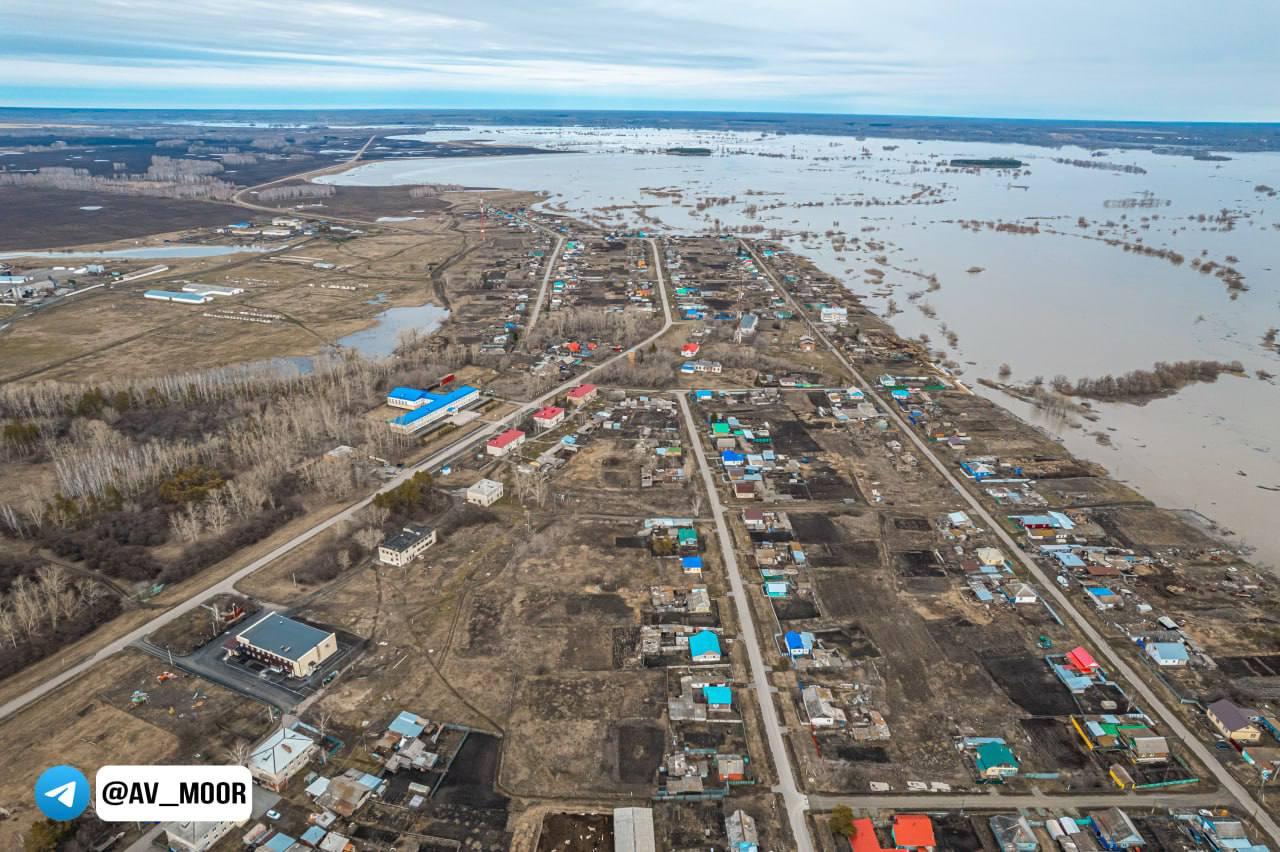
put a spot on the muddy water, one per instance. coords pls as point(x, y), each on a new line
point(1060, 301)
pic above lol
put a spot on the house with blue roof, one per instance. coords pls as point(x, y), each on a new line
point(407, 724)
point(691, 564)
point(278, 842)
point(704, 647)
point(1168, 653)
point(718, 697)
point(798, 644)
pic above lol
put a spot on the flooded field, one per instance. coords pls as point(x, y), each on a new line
point(1075, 263)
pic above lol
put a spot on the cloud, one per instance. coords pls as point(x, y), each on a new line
point(928, 56)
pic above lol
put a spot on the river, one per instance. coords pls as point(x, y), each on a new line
point(1063, 300)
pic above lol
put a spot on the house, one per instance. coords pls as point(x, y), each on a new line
point(406, 545)
point(718, 697)
point(833, 315)
point(913, 831)
point(1081, 661)
point(1233, 721)
point(1168, 653)
point(633, 830)
point(1013, 833)
point(746, 328)
point(991, 556)
point(807, 344)
point(798, 644)
point(691, 564)
point(279, 757)
point(347, 793)
point(485, 492)
point(740, 829)
point(731, 767)
point(746, 489)
point(297, 648)
point(1023, 593)
point(994, 761)
point(1102, 598)
point(704, 647)
point(549, 417)
point(505, 443)
point(819, 707)
point(1115, 830)
point(583, 394)
point(689, 350)
point(864, 837)
point(197, 836)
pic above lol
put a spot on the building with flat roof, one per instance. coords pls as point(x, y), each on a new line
point(281, 756)
point(486, 492)
point(297, 648)
point(406, 545)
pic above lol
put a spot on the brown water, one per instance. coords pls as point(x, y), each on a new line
point(1060, 301)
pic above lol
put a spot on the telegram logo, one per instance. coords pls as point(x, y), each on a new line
point(62, 793)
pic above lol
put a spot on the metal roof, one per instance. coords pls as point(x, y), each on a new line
point(283, 636)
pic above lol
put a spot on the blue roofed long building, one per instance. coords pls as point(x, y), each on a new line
point(426, 407)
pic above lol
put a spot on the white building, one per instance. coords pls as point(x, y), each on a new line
point(505, 443)
point(820, 707)
point(406, 545)
point(834, 315)
point(486, 492)
point(280, 757)
point(633, 830)
point(549, 417)
point(197, 836)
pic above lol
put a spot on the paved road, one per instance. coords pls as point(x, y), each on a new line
point(227, 585)
point(795, 802)
point(984, 801)
point(1065, 604)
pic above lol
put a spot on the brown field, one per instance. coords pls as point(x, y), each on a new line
point(91, 723)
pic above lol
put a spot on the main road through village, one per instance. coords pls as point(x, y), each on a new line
point(796, 803)
point(431, 463)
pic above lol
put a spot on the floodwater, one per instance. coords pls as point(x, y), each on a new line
point(381, 339)
point(1060, 301)
point(154, 252)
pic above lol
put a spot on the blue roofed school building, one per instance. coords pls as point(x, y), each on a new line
point(428, 408)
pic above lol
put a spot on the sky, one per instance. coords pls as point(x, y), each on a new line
point(1120, 59)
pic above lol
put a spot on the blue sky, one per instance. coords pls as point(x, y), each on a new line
point(1123, 59)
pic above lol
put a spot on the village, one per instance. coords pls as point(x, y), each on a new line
point(680, 500)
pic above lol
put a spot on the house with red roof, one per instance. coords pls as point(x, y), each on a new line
point(690, 349)
point(505, 443)
point(913, 831)
point(583, 394)
point(549, 417)
point(1080, 660)
point(864, 837)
